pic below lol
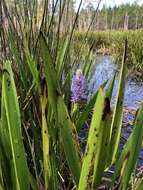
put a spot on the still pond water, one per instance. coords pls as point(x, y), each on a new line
point(104, 69)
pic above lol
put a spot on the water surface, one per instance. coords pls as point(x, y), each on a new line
point(104, 69)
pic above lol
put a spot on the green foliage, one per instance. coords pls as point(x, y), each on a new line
point(39, 137)
point(124, 16)
point(19, 169)
point(61, 114)
point(127, 161)
point(116, 124)
point(92, 143)
point(113, 41)
point(139, 184)
point(83, 116)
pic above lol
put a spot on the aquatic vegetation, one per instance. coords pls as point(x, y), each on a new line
point(111, 42)
point(39, 137)
point(79, 89)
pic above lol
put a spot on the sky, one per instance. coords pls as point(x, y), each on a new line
point(109, 2)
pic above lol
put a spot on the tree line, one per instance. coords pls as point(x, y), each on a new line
point(125, 17)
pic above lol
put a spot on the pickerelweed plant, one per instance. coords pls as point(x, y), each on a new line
point(39, 146)
point(79, 89)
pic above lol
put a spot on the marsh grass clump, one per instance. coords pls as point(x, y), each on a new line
point(79, 87)
point(111, 42)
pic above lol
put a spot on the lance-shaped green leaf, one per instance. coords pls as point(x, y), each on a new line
point(31, 63)
point(88, 69)
point(4, 138)
point(45, 142)
point(5, 150)
point(67, 127)
point(127, 161)
point(1, 171)
point(61, 56)
point(50, 74)
point(1, 187)
point(104, 139)
point(48, 160)
point(139, 184)
point(93, 137)
point(1, 177)
point(118, 112)
point(88, 63)
point(33, 182)
point(19, 169)
point(69, 135)
point(67, 90)
point(109, 91)
point(84, 115)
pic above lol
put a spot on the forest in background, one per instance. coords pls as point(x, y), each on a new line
point(125, 17)
point(100, 28)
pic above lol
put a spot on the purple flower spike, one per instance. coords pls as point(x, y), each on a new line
point(78, 88)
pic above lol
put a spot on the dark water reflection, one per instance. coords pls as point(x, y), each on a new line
point(104, 69)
